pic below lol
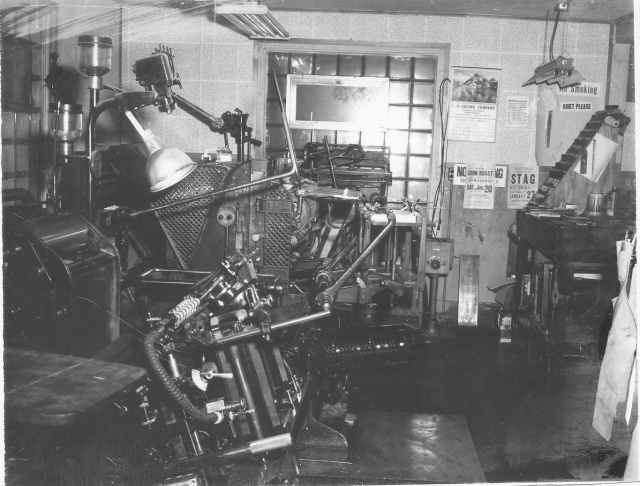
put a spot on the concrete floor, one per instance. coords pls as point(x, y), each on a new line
point(521, 429)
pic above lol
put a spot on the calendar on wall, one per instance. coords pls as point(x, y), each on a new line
point(474, 104)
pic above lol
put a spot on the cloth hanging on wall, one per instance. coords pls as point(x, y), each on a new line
point(619, 360)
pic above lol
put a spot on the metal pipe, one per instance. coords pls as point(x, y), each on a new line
point(243, 384)
point(333, 174)
point(431, 331)
point(327, 297)
point(252, 333)
point(287, 130)
point(338, 258)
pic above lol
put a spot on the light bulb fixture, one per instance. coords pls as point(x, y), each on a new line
point(166, 166)
point(254, 20)
point(559, 71)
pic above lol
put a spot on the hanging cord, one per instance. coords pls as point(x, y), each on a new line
point(546, 32)
point(553, 36)
point(444, 123)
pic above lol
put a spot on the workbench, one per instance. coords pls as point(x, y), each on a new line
point(552, 253)
point(54, 389)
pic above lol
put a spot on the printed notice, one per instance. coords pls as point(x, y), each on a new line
point(474, 105)
point(479, 186)
point(523, 184)
point(567, 106)
point(517, 112)
point(584, 88)
point(460, 175)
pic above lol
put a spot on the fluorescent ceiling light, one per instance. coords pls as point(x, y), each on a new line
point(254, 20)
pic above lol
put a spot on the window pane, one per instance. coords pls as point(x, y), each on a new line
point(275, 138)
point(8, 124)
point(400, 67)
point(8, 163)
point(326, 64)
point(22, 183)
point(300, 137)
point(425, 69)
point(274, 114)
point(22, 126)
point(398, 117)
point(330, 134)
point(423, 94)
point(420, 143)
point(279, 62)
point(421, 118)
point(22, 158)
point(372, 139)
point(301, 63)
point(417, 190)
point(8, 184)
point(419, 166)
point(375, 66)
point(350, 65)
point(398, 165)
point(399, 92)
point(396, 190)
point(397, 141)
point(348, 137)
point(271, 88)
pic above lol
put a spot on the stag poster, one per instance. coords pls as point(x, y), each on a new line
point(474, 104)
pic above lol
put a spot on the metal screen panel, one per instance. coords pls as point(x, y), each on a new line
point(182, 224)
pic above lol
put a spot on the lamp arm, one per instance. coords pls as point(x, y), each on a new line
point(215, 124)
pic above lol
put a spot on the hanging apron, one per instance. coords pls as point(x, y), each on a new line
point(619, 359)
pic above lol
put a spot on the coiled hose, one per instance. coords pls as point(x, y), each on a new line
point(168, 384)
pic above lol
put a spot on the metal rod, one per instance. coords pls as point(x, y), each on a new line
point(328, 296)
point(287, 130)
point(243, 384)
point(342, 253)
point(333, 174)
point(199, 113)
point(252, 333)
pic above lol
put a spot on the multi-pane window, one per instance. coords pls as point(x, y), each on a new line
point(410, 129)
point(24, 64)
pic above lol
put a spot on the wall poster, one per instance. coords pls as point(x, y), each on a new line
point(523, 184)
point(479, 187)
point(517, 112)
point(474, 104)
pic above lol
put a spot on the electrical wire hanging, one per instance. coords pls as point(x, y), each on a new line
point(444, 123)
point(553, 36)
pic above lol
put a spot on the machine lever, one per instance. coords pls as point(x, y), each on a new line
point(328, 296)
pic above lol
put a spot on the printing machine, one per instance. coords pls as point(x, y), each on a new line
point(284, 276)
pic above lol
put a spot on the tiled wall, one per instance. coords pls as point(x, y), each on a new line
point(215, 62)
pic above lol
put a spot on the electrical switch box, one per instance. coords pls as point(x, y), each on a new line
point(439, 253)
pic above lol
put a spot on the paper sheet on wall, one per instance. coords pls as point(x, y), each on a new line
point(479, 186)
point(460, 175)
point(474, 104)
point(599, 153)
point(523, 184)
point(517, 112)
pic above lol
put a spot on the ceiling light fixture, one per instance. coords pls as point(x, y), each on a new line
point(559, 70)
point(254, 20)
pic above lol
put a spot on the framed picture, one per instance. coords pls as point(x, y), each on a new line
point(337, 102)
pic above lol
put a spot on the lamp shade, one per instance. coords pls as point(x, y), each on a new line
point(166, 167)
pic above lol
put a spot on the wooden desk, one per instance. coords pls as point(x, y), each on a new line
point(567, 247)
point(53, 389)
